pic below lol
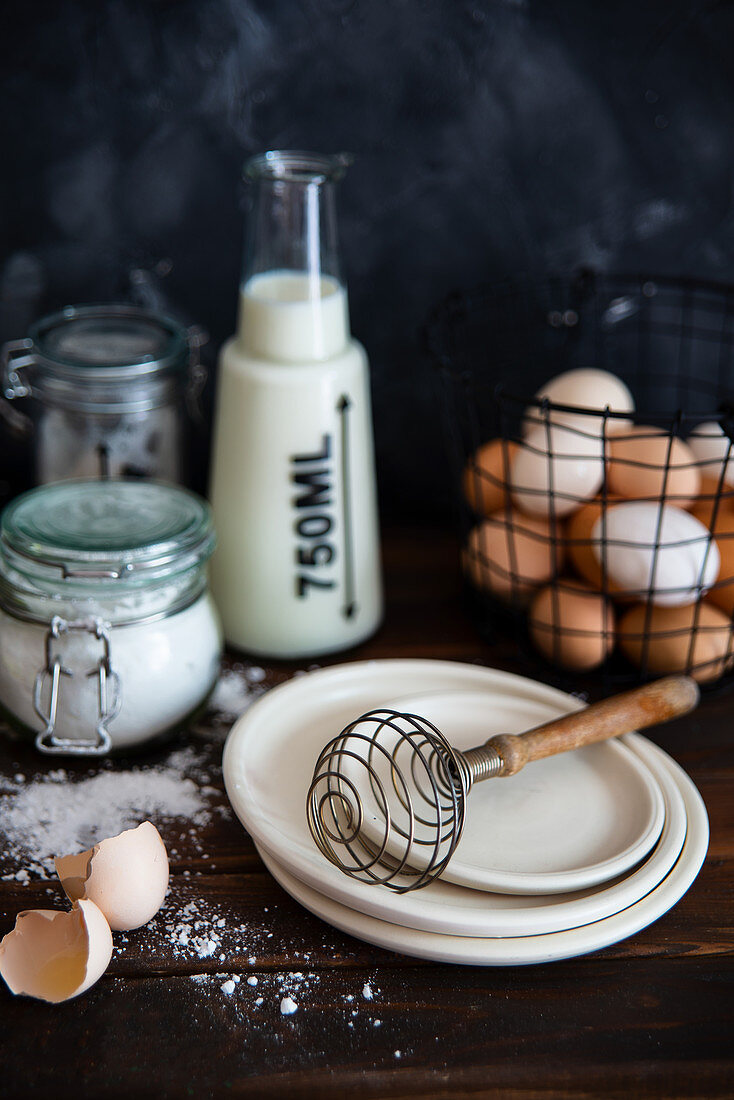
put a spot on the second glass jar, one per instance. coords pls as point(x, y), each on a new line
point(109, 389)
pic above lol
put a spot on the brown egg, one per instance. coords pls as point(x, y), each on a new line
point(572, 625)
point(485, 478)
point(680, 639)
point(722, 594)
point(577, 539)
point(509, 559)
point(706, 503)
point(636, 467)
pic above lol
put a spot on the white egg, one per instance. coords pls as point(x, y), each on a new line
point(585, 388)
point(685, 563)
point(711, 446)
point(54, 955)
point(555, 470)
point(125, 875)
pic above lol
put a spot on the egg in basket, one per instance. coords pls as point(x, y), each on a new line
point(610, 534)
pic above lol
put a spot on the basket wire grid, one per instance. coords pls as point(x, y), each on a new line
point(672, 342)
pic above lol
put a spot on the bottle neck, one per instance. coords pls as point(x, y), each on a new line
point(293, 305)
point(292, 317)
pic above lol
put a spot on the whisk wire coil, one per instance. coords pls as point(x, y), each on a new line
point(406, 830)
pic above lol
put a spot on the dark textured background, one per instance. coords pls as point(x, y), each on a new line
point(491, 139)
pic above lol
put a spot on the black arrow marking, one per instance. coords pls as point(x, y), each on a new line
point(349, 609)
point(103, 454)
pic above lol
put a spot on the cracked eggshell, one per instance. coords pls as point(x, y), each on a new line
point(125, 875)
point(54, 955)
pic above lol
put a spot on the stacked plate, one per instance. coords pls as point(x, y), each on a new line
point(572, 854)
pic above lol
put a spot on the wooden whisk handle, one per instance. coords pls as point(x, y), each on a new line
point(633, 710)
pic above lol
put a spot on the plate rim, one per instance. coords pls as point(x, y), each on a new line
point(532, 950)
point(482, 677)
point(431, 914)
point(497, 880)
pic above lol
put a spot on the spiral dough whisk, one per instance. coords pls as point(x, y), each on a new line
point(387, 802)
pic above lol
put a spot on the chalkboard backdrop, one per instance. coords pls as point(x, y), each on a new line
point(491, 139)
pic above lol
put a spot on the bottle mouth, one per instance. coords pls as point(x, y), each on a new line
point(297, 167)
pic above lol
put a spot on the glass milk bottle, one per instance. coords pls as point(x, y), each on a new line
point(296, 572)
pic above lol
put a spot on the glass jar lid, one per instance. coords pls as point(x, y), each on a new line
point(109, 343)
point(104, 532)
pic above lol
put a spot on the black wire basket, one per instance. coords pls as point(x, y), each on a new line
point(542, 555)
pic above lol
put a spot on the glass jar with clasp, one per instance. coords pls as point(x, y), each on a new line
point(111, 389)
point(108, 635)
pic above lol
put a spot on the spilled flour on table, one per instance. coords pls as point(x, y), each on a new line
point(236, 690)
point(259, 1003)
point(238, 687)
point(192, 928)
point(66, 811)
point(58, 813)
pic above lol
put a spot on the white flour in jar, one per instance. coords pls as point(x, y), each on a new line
point(166, 669)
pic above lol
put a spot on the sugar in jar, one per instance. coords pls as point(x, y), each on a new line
point(108, 635)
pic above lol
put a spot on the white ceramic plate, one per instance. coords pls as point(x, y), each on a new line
point(518, 950)
point(271, 751)
point(561, 824)
point(450, 909)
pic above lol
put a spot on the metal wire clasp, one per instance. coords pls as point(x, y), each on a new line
point(109, 694)
point(16, 355)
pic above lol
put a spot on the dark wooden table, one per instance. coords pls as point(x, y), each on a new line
point(191, 1004)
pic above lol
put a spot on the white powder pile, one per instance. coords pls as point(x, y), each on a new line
point(190, 927)
point(196, 930)
point(57, 814)
point(237, 688)
point(369, 992)
point(283, 993)
point(266, 1002)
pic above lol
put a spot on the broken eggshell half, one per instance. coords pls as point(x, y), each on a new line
point(125, 875)
point(55, 955)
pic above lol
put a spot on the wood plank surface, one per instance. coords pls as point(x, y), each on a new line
point(191, 1003)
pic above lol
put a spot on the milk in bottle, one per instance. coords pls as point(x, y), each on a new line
point(296, 572)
